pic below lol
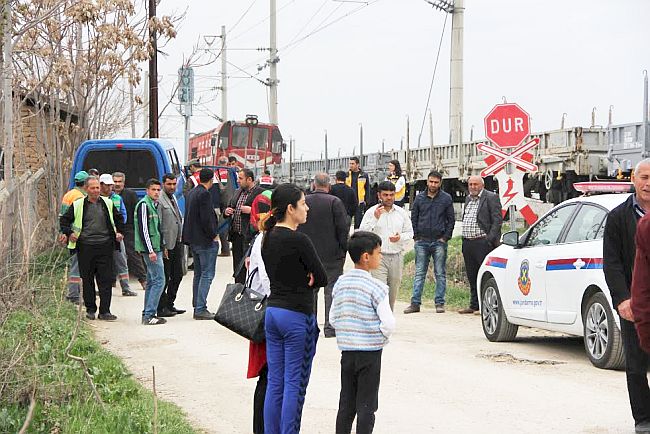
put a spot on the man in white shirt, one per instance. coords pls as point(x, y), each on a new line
point(393, 225)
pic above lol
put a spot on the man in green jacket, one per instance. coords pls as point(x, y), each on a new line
point(93, 228)
point(149, 242)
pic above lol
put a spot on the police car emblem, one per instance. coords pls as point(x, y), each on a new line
point(524, 279)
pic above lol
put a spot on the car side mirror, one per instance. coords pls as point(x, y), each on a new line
point(511, 239)
point(284, 147)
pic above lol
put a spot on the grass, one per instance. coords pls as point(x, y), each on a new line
point(457, 295)
point(33, 360)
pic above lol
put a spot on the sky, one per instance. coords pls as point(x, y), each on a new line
point(374, 66)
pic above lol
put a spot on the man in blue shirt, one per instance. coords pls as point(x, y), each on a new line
point(432, 216)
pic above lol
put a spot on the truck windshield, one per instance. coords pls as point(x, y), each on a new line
point(139, 165)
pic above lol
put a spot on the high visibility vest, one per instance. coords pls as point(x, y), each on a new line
point(77, 224)
point(361, 185)
point(400, 186)
point(153, 227)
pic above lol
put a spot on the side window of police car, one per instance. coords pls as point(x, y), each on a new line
point(586, 226)
point(548, 230)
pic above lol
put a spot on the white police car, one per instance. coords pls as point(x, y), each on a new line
point(551, 277)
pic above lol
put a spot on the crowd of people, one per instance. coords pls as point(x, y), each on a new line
point(288, 243)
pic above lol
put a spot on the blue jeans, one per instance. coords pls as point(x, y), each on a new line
point(424, 250)
point(155, 284)
point(205, 262)
point(290, 347)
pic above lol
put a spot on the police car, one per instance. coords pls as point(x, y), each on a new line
point(551, 277)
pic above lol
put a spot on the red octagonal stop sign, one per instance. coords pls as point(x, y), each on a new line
point(507, 125)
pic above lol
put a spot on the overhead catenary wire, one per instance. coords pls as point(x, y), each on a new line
point(234, 26)
point(433, 76)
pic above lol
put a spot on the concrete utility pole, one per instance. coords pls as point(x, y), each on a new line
point(408, 147)
point(290, 159)
point(224, 77)
point(153, 76)
point(646, 118)
point(432, 156)
point(456, 75)
point(361, 144)
point(7, 93)
point(273, 66)
point(327, 165)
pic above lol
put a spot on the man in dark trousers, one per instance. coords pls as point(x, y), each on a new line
point(171, 223)
point(134, 259)
point(327, 226)
point(345, 193)
point(200, 233)
point(360, 183)
point(641, 283)
point(94, 227)
point(239, 210)
point(482, 222)
point(618, 263)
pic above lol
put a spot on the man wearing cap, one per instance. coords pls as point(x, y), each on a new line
point(74, 278)
point(119, 256)
point(93, 228)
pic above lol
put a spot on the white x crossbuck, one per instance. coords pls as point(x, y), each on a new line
point(504, 158)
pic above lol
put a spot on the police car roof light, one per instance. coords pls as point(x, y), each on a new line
point(603, 187)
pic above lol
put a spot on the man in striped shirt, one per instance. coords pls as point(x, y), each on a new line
point(363, 321)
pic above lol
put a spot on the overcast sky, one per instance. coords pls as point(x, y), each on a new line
point(374, 66)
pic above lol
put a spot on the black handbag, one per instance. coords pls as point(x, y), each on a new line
point(242, 310)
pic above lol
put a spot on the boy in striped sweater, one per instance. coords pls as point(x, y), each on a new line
point(363, 321)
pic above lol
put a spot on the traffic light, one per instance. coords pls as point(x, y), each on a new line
point(186, 85)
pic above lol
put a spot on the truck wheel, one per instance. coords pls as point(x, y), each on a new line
point(496, 326)
point(602, 337)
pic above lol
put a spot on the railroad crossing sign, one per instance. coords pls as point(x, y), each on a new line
point(511, 191)
point(519, 157)
point(507, 125)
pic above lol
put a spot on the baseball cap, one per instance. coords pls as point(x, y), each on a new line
point(106, 178)
point(80, 176)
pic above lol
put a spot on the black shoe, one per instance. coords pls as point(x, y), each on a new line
point(440, 308)
point(642, 427)
point(177, 310)
point(154, 321)
point(166, 313)
point(129, 293)
point(413, 308)
point(206, 314)
point(90, 315)
point(224, 254)
point(106, 317)
point(330, 334)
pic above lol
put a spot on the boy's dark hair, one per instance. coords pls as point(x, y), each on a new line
point(232, 159)
point(362, 242)
point(341, 175)
point(152, 181)
point(435, 174)
point(386, 186)
point(355, 159)
point(167, 176)
point(205, 175)
point(248, 173)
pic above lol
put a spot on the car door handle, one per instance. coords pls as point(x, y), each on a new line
point(579, 263)
point(539, 264)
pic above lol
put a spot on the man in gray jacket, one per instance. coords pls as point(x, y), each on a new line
point(328, 227)
point(171, 223)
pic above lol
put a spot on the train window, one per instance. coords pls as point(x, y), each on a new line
point(260, 138)
point(276, 137)
point(239, 136)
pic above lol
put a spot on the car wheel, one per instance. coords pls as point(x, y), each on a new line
point(602, 336)
point(496, 326)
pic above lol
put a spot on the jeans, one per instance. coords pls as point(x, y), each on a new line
point(290, 347)
point(205, 262)
point(360, 372)
point(155, 284)
point(424, 250)
point(636, 371)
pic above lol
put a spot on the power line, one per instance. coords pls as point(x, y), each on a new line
point(309, 21)
point(262, 21)
point(241, 17)
point(433, 76)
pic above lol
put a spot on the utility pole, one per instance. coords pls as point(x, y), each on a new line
point(456, 75)
point(224, 78)
point(327, 168)
point(408, 147)
point(432, 156)
point(7, 93)
point(361, 144)
point(145, 113)
point(153, 75)
point(273, 67)
point(290, 159)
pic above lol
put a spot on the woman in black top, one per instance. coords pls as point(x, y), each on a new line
point(294, 270)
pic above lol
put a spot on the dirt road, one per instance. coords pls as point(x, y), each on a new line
point(439, 374)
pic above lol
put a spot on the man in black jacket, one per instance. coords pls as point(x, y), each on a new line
point(618, 261)
point(94, 228)
point(134, 259)
point(328, 227)
point(239, 210)
point(200, 233)
point(345, 193)
point(482, 221)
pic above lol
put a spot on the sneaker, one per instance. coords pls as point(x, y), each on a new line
point(106, 317)
point(153, 321)
point(440, 308)
point(413, 308)
point(90, 315)
point(128, 293)
point(467, 311)
point(206, 314)
point(329, 333)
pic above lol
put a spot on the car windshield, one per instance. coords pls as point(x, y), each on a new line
point(139, 165)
